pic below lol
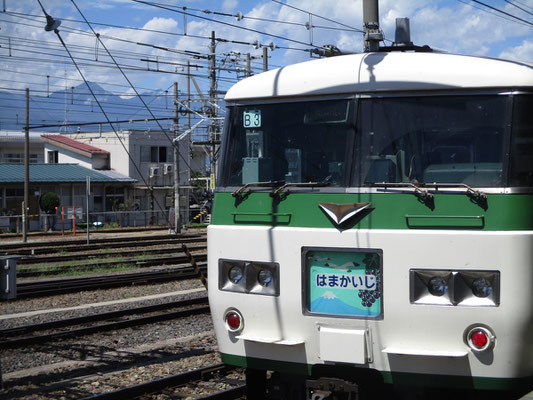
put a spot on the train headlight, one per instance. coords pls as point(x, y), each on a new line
point(480, 338)
point(264, 277)
point(254, 277)
point(234, 320)
point(438, 286)
point(478, 288)
point(231, 276)
point(481, 287)
point(235, 274)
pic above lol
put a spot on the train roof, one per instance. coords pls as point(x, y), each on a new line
point(378, 72)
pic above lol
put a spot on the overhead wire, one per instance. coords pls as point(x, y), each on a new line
point(503, 12)
point(136, 43)
point(520, 8)
point(128, 80)
point(240, 16)
point(103, 112)
point(488, 11)
point(170, 8)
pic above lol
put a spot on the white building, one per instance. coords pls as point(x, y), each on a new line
point(145, 156)
point(12, 147)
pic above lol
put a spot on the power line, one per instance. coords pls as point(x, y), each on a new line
point(240, 16)
point(90, 63)
point(101, 108)
point(320, 16)
point(503, 12)
point(169, 8)
point(78, 31)
point(523, 4)
point(129, 82)
point(490, 12)
point(520, 8)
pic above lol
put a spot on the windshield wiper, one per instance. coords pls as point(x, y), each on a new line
point(470, 191)
point(419, 192)
point(250, 185)
point(285, 188)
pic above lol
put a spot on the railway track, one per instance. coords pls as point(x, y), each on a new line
point(177, 381)
point(65, 246)
point(13, 338)
point(61, 258)
point(148, 260)
point(54, 287)
point(56, 234)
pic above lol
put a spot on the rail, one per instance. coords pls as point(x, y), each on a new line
point(180, 379)
point(11, 343)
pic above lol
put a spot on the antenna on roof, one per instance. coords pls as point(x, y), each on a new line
point(402, 36)
point(402, 39)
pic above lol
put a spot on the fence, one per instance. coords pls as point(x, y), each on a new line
point(99, 220)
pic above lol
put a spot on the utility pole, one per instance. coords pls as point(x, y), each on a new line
point(371, 25)
point(188, 95)
point(26, 169)
point(187, 208)
point(177, 219)
point(212, 108)
point(248, 65)
point(265, 58)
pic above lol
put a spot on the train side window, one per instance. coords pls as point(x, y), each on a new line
point(521, 163)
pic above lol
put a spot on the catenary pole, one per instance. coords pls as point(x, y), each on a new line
point(177, 219)
point(212, 108)
point(26, 169)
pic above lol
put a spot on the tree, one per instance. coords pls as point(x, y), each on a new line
point(48, 202)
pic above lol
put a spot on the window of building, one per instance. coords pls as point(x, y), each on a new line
point(156, 154)
point(18, 158)
point(52, 157)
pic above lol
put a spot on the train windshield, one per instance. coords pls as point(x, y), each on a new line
point(474, 140)
point(289, 142)
point(448, 139)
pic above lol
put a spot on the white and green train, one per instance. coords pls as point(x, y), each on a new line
point(373, 223)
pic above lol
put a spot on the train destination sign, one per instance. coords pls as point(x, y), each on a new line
point(252, 118)
point(344, 283)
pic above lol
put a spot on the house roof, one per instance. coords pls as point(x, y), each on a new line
point(73, 145)
point(58, 173)
point(18, 136)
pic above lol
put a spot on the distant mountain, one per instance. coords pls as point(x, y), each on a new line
point(81, 107)
point(328, 303)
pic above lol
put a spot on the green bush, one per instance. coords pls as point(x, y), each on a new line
point(48, 202)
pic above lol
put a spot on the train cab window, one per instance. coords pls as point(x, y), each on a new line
point(452, 139)
point(521, 163)
point(297, 142)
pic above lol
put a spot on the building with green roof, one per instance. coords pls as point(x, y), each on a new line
point(68, 181)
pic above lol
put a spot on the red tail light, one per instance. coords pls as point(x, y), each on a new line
point(480, 339)
point(234, 321)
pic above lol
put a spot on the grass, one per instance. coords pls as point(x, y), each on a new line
point(77, 268)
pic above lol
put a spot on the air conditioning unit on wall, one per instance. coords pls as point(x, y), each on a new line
point(155, 171)
point(168, 169)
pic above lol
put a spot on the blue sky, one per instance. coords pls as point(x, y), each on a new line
point(28, 54)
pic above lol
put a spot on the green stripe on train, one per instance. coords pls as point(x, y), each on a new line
point(387, 211)
point(523, 384)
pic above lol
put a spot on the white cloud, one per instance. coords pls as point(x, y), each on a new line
point(442, 24)
point(524, 52)
point(230, 6)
